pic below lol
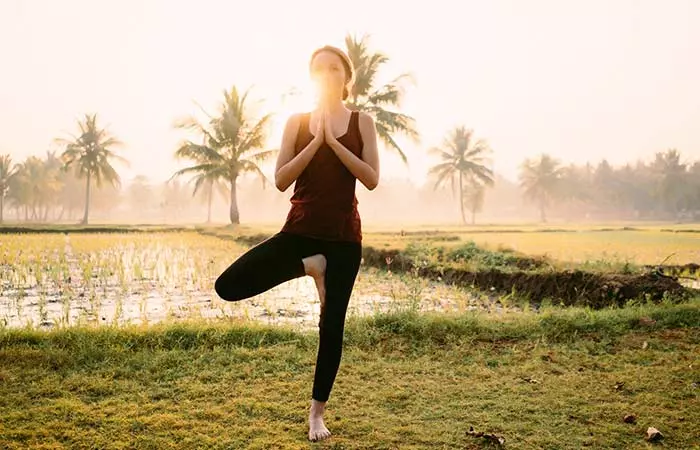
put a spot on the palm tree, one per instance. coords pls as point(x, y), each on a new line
point(89, 154)
point(52, 183)
point(232, 146)
point(20, 191)
point(34, 187)
point(465, 158)
point(474, 195)
point(374, 100)
point(540, 179)
point(7, 171)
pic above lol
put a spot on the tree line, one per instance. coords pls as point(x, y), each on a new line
point(232, 143)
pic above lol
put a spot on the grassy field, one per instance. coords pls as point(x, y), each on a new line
point(558, 380)
point(192, 372)
point(639, 245)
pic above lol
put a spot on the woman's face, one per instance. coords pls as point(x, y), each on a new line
point(328, 75)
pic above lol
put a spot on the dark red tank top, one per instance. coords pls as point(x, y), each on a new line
point(324, 204)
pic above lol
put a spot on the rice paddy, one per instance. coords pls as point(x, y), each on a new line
point(63, 279)
point(54, 279)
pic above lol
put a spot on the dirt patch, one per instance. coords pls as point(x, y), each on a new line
point(571, 287)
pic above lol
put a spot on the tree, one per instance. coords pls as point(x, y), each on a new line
point(7, 171)
point(232, 145)
point(34, 186)
point(672, 182)
point(90, 155)
point(212, 187)
point(474, 196)
point(540, 180)
point(576, 189)
point(376, 100)
point(465, 159)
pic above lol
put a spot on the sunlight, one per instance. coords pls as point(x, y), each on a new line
point(296, 100)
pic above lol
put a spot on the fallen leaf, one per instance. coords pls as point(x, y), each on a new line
point(653, 435)
point(630, 418)
point(645, 345)
point(619, 385)
point(500, 440)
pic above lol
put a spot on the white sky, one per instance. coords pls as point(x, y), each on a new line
point(581, 80)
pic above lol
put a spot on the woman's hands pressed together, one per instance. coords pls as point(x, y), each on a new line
point(330, 138)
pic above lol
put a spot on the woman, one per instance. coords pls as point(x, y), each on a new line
point(323, 152)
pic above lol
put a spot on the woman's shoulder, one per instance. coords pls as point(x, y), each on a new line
point(365, 118)
point(295, 119)
point(365, 121)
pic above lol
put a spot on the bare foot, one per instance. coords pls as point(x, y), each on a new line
point(315, 267)
point(317, 429)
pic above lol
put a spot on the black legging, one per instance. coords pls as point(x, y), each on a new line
point(279, 259)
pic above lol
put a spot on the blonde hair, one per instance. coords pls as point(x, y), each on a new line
point(347, 63)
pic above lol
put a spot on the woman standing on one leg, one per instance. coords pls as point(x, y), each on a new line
point(323, 153)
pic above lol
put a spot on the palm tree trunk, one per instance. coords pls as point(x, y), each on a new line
point(233, 213)
point(473, 216)
point(461, 198)
point(87, 200)
point(2, 206)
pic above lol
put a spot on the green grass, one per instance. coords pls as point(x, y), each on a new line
point(407, 380)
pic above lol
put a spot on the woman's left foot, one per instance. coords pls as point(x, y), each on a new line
point(317, 429)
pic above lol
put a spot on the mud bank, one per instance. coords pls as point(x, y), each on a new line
point(569, 287)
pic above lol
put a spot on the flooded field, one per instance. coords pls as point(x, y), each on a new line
point(57, 279)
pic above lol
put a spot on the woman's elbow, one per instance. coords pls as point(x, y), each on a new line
point(281, 187)
point(372, 183)
point(280, 183)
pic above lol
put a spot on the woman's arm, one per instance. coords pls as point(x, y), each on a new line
point(366, 169)
point(289, 166)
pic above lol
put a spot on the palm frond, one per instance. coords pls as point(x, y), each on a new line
point(197, 153)
point(385, 135)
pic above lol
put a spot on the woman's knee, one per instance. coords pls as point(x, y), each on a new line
point(230, 286)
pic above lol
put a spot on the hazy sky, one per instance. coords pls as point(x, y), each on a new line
point(581, 80)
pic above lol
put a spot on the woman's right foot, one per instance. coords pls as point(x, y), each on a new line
point(317, 429)
point(315, 267)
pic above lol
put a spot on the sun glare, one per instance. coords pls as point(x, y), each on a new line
point(301, 98)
